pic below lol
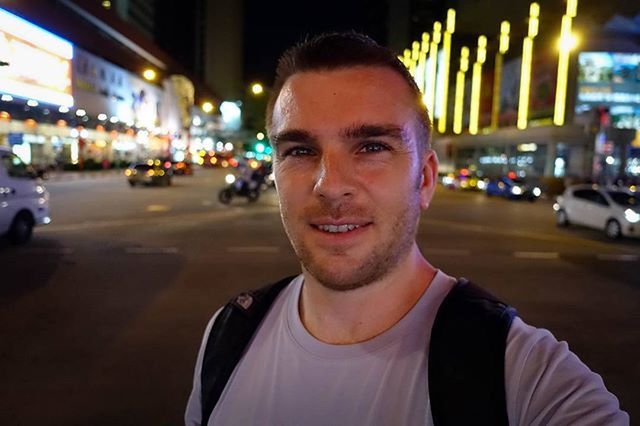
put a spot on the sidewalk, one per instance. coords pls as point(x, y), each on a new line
point(58, 176)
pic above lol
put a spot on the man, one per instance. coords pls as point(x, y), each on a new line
point(347, 341)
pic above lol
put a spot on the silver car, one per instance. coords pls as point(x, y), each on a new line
point(614, 210)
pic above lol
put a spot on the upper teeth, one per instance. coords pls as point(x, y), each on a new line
point(337, 228)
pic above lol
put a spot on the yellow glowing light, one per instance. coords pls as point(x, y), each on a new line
point(446, 59)
point(127, 172)
point(157, 163)
point(213, 160)
point(207, 107)
point(505, 27)
point(150, 162)
point(260, 136)
point(407, 57)
point(150, 172)
point(106, 4)
point(476, 83)
point(224, 163)
point(525, 81)
point(572, 8)
point(458, 107)
point(149, 74)
point(430, 86)
point(566, 44)
point(200, 161)
point(451, 21)
point(534, 13)
point(420, 71)
point(257, 89)
point(424, 45)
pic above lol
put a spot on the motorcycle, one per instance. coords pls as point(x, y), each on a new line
point(238, 187)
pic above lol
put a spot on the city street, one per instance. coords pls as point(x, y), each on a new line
point(101, 315)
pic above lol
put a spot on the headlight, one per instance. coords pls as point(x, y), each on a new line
point(40, 189)
point(631, 216)
point(127, 172)
point(516, 190)
point(556, 207)
point(481, 184)
point(230, 179)
point(537, 192)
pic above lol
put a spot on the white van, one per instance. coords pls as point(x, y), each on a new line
point(24, 201)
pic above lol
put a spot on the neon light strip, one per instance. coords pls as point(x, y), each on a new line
point(25, 30)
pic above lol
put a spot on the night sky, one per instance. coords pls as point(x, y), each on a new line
point(272, 26)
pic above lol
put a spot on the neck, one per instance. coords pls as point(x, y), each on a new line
point(346, 317)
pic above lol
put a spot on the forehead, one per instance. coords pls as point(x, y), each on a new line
point(325, 99)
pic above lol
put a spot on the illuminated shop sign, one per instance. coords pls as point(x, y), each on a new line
point(39, 62)
point(610, 80)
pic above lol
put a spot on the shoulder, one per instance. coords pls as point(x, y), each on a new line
point(546, 383)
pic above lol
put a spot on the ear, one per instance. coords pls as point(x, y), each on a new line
point(428, 178)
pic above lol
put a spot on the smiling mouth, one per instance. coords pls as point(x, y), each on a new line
point(339, 229)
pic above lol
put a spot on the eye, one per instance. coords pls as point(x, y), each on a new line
point(371, 147)
point(297, 151)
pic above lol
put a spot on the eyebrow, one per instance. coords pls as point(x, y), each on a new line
point(294, 135)
point(361, 131)
point(357, 131)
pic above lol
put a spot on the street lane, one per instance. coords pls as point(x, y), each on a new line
point(102, 314)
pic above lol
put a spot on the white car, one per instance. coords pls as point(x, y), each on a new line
point(24, 202)
point(614, 210)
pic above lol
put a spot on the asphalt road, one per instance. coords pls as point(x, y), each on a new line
point(102, 314)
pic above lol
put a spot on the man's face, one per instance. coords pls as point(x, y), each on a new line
point(350, 173)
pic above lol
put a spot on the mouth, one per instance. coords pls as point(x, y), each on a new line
point(341, 228)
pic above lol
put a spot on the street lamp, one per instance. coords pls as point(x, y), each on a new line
point(567, 43)
point(504, 47)
point(458, 107)
point(207, 107)
point(149, 74)
point(476, 85)
point(527, 59)
point(257, 89)
point(446, 59)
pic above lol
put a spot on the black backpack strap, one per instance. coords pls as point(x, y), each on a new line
point(230, 334)
point(466, 358)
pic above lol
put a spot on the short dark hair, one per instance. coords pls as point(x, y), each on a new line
point(333, 51)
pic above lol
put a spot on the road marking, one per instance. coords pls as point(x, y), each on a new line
point(619, 257)
point(447, 252)
point(157, 208)
point(151, 250)
point(536, 254)
point(254, 249)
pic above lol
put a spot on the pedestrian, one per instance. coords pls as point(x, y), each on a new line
point(370, 333)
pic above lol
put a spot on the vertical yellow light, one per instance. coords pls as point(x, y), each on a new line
point(497, 80)
point(565, 46)
point(406, 58)
point(476, 84)
point(424, 50)
point(430, 90)
point(446, 60)
point(458, 107)
point(525, 73)
point(415, 55)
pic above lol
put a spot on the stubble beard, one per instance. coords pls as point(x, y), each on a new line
point(346, 273)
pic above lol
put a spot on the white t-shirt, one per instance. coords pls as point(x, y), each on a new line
point(288, 377)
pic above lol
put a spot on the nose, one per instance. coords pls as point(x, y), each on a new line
point(335, 177)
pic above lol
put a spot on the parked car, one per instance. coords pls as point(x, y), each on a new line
point(181, 168)
point(614, 210)
point(24, 201)
point(512, 189)
point(152, 172)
